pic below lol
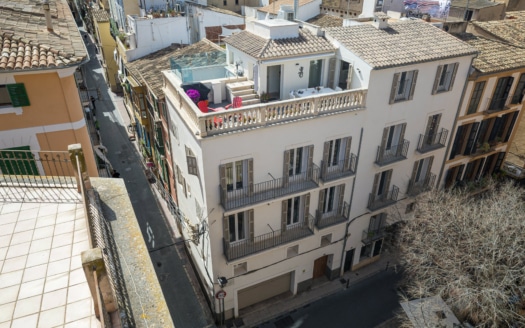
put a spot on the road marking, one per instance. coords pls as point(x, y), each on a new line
point(151, 236)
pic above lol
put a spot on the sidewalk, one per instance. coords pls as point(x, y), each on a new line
point(276, 307)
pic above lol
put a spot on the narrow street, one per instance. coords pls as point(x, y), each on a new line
point(183, 295)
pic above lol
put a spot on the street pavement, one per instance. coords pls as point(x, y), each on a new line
point(366, 304)
point(182, 294)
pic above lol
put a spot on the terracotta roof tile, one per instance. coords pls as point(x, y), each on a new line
point(400, 44)
point(261, 48)
point(511, 29)
point(494, 56)
point(27, 44)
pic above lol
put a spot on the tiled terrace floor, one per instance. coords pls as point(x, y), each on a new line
point(42, 283)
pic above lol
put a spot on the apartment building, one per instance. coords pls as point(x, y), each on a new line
point(489, 115)
point(300, 143)
point(40, 107)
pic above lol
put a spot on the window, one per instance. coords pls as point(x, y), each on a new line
point(224, 2)
point(13, 95)
point(392, 143)
point(431, 132)
point(382, 184)
point(519, 92)
point(445, 77)
point(314, 77)
point(289, 16)
point(192, 162)
point(297, 161)
point(475, 98)
point(295, 211)
point(499, 98)
point(236, 2)
point(403, 86)
point(237, 226)
point(468, 15)
point(326, 240)
point(236, 175)
point(331, 200)
point(240, 268)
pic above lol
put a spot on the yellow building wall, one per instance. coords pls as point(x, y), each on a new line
point(54, 106)
point(108, 45)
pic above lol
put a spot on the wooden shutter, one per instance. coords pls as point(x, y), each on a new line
point(222, 176)
point(349, 77)
point(286, 167)
point(387, 180)
point(453, 78)
point(341, 196)
point(401, 142)
point(331, 72)
point(393, 90)
point(250, 176)
point(429, 170)
point(413, 85)
point(414, 172)
point(320, 206)
point(429, 124)
point(284, 213)
point(383, 144)
point(348, 145)
point(376, 183)
point(306, 209)
point(226, 228)
point(436, 80)
point(251, 231)
point(310, 166)
point(326, 150)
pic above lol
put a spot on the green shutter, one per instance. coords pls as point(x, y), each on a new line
point(17, 93)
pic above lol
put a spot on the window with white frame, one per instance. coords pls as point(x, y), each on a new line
point(294, 211)
point(237, 226)
point(236, 173)
point(192, 162)
point(403, 86)
point(445, 77)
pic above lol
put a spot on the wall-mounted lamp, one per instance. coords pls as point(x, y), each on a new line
point(301, 72)
point(222, 281)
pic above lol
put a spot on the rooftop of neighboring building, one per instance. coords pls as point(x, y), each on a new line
point(306, 43)
point(494, 56)
point(149, 67)
point(510, 30)
point(400, 44)
point(325, 20)
point(100, 15)
point(28, 45)
point(275, 6)
point(216, 9)
point(474, 4)
point(43, 282)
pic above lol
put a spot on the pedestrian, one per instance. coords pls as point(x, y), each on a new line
point(93, 103)
point(115, 174)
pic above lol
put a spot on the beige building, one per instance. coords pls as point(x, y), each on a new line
point(106, 46)
point(40, 106)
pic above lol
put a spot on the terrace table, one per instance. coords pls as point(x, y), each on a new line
point(301, 93)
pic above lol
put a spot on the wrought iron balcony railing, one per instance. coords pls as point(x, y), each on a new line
point(341, 169)
point(496, 104)
point(430, 142)
point(415, 188)
point(236, 250)
point(372, 235)
point(323, 220)
point(264, 191)
point(393, 154)
point(376, 202)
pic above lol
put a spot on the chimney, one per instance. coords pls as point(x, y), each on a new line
point(380, 20)
point(47, 14)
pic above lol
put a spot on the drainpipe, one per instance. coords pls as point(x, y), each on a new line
point(351, 197)
point(47, 14)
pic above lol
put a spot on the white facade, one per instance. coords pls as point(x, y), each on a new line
point(247, 161)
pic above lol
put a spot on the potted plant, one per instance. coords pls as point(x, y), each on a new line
point(264, 97)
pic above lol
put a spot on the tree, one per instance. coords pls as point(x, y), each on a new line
point(470, 250)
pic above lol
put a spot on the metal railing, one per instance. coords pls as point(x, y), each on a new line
point(323, 220)
point(264, 191)
point(372, 235)
point(393, 154)
point(415, 188)
point(37, 176)
point(236, 250)
point(376, 202)
point(496, 104)
point(430, 142)
point(341, 169)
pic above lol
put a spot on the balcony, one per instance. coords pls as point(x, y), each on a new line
point(496, 105)
point(430, 142)
point(342, 169)
point(329, 219)
point(246, 247)
point(416, 188)
point(272, 189)
point(373, 235)
point(394, 154)
point(376, 202)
